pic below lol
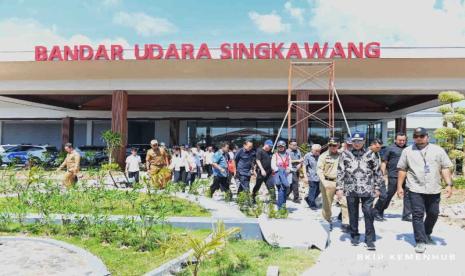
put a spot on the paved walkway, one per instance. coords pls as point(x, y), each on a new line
point(302, 229)
point(394, 253)
point(35, 256)
point(217, 207)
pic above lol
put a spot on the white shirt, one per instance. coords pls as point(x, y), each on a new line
point(209, 157)
point(133, 163)
point(192, 166)
point(178, 161)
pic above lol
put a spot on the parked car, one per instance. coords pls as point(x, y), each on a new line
point(92, 155)
point(21, 154)
point(4, 148)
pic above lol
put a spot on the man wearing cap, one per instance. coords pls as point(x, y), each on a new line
point(264, 171)
point(296, 164)
point(327, 173)
point(156, 159)
point(72, 164)
point(422, 165)
point(347, 144)
point(281, 166)
point(359, 178)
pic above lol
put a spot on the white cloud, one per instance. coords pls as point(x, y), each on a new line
point(18, 34)
point(269, 23)
point(395, 22)
point(111, 2)
point(297, 13)
point(145, 25)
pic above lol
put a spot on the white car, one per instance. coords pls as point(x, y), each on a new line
point(4, 148)
point(22, 153)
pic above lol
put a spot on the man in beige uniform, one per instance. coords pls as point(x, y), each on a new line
point(327, 172)
point(72, 165)
point(156, 159)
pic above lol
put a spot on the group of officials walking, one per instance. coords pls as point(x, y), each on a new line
point(351, 173)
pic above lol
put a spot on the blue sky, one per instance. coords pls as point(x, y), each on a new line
point(24, 23)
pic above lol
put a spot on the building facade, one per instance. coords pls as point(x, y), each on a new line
point(206, 100)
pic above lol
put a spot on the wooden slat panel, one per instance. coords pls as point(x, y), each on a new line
point(67, 131)
point(119, 122)
point(302, 127)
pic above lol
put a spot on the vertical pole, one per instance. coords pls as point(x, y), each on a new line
point(67, 131)
point(174, 131)
point(289, 104)
point(119, 122)
point(1, 132)
point(89, 132)
point(301, 113)
point(401, 125)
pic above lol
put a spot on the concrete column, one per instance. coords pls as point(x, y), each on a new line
point(401, 125)
point(174, 131)
point(1, 132)
point(302, 127)
point(119, 122)
point(89, 132)
point(384, 131)
point(67, 131)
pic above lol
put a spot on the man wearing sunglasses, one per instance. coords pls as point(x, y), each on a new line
point(359, 178)
point(422, 165)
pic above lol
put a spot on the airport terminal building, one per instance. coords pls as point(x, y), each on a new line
point(209, 99)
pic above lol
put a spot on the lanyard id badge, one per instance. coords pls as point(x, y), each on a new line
point(426, 168)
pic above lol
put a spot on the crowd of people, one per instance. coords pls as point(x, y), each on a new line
point(352, 173)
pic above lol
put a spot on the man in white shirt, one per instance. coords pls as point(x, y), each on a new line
point(133, 162)
point(209, 160)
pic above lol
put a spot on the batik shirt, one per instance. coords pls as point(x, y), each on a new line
point(359, 173)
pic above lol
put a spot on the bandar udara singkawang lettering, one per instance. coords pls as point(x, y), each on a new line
point(225, 51)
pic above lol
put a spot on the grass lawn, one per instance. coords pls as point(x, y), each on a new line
point(250, 257)
point(127, 261)
point(110, 202)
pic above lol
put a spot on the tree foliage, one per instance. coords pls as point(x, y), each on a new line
point(451, 135)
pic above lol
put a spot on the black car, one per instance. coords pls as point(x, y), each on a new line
point(141, 150)
point(92, 155)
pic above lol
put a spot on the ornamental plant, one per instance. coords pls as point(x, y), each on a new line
point(450, 135)
point(113, 141)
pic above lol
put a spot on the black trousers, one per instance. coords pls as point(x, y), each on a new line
point(219, 182)
point(386, 196)
point(421, 204)
point(294, 187)
point(268, 180)
point(183, 173)
point(208, 169)
point(353, 204)
point(244, 183)
point(135, 175)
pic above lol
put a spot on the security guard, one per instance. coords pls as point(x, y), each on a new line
point(156, 159)
point(72, 165)
point(327, 172)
